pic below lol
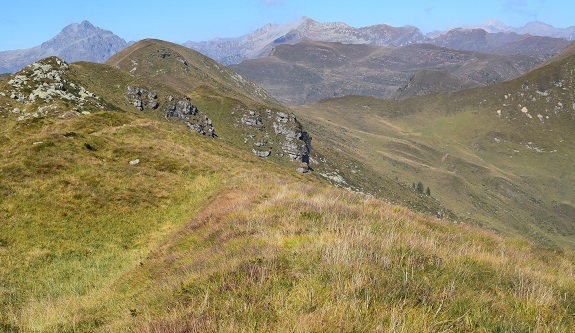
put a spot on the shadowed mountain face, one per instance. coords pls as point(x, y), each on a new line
point(74, 43)
point(310, 71)
point(565, 53)
point(429, 81)
point(500, 156)
point(473, 39)
point(544, 47)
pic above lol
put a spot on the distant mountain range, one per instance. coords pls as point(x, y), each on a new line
point(535, 28)
point(84, 41)
point(259, 43)
point(500, 42)
point(75, 42)
point(487, 38)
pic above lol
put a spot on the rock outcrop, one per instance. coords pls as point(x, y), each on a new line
point(185, 111)
point(178, 108)
point(140, 98)
point(44, 87)
point(275, 132)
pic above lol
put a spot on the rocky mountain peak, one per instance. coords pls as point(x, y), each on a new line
point(79, 32)
point(538, 28)
point(76, 42)
point(307, 20)
point(83, 26)
point(494, 25)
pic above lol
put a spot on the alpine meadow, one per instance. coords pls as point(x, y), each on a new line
point(163, 191)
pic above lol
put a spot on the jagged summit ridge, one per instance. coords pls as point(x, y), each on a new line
point(259, 43)
point(76, 27)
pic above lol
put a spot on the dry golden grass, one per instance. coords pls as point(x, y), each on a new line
point(293, 257)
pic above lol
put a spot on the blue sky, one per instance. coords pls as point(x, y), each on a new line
point(26, 24)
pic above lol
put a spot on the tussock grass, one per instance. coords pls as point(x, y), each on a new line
point(73, 219)
point(301, 258)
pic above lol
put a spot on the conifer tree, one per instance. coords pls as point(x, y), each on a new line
point(420, 187)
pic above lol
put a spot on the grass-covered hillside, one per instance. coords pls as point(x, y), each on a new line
point(116, 219)
point(200, 236)
point(243, 114)
point(500, 156)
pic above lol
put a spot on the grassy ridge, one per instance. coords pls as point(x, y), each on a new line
point(293, 257)
point(186, 70)
point(227, 98)
point(75, 213)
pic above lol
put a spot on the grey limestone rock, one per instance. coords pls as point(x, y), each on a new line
point(261, 153)
point(184, 110)
point(303, 169)
point(45, 81)
point(141, 97)
point(286, 140)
